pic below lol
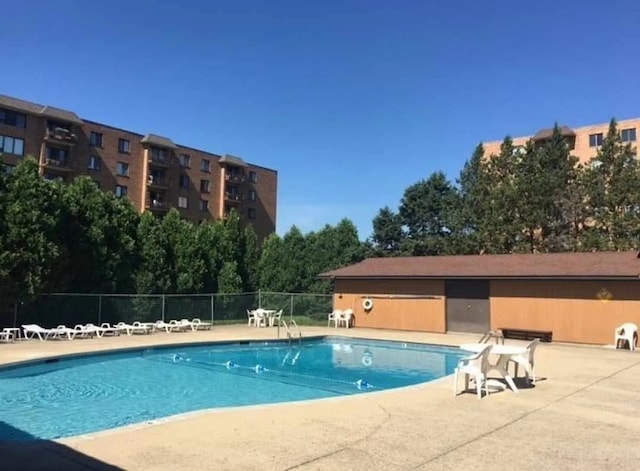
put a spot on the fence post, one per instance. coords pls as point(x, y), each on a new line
point(291, 310)
point(15, 314)
point(212, 309)
point(163, 299)
point(99, 309)
point(259, 298)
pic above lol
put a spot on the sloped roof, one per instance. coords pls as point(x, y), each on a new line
point(159, 141)
point(570, 265)
point(35, 108)
point(232, 160)
point(547, 133)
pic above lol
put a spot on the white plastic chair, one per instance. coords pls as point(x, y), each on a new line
point(627, 332)
point(261, 318)
point(251, 315)
point(475, 366)
point(347, 314)
point(527, 361)
point(334, 317)
point(275, 317)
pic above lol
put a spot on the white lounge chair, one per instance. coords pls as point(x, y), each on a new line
point(199, 325)
point(527, 361)
point(6, 336)
point(475, 366)
point(34, 330)
point(626, 333)
point(107, 328)
point(62, 331)
point(135, 328)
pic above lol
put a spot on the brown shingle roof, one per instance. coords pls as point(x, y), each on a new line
point(547, 133)
point(595, 265)
point(232, 160)
point(159, 141)
point(34, 108)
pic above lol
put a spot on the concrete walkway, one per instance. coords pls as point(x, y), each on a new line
point(584, 413)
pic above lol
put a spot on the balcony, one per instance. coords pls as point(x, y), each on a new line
point(157, 204)
point(233, 198)
point(235, 178)
point(57, 164)
point(156, 181)
point(159, 160)
point(60, 136)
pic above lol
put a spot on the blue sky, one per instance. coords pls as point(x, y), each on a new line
point(351, 101)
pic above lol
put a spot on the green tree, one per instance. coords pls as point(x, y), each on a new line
point(612, 181)
point(425, 211)
point(250, 259)
point(183, 256)
point(387, 233)
point(29, 251)
point(270, 266)
point(503, 231)
point(100, 230)
point(211, 248)
point(154, 272)
point(473, 224)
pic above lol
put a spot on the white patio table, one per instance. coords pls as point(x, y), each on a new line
point(267, 314)
point(504, 354)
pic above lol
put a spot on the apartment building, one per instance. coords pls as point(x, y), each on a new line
point(150, 170)
point(583, 142)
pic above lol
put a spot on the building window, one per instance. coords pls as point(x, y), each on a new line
point(95, 139)
point(253, 177)
point(158, 154)
point(121, 191)
point(183, 202)
point(183, 181)
point(12, 118)
point(204, 205)
point(628, 135)
point(253, 195)
point(595, 140)
point(185, 160)
point(11, 145)
point(94, 162)
point(124, 146)
point(251, 213)
point(205, 165)
point(204, 186)
point(122, 169)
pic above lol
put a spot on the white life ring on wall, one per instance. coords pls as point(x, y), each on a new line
point(367, 304)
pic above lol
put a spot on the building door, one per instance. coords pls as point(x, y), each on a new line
point(467, 305)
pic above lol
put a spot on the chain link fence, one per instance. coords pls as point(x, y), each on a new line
point(70, 309)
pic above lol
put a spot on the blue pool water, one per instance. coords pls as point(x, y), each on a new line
point(56, 399)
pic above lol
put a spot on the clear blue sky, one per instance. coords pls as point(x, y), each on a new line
point(351, 101)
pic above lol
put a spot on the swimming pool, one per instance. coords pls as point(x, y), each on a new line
point(58, 398)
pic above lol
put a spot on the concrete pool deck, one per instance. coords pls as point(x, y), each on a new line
point(583, 413)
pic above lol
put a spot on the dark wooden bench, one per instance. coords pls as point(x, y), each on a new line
point(527, 334)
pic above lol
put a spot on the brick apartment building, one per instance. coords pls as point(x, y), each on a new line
point(583, 142)
point(152, 171)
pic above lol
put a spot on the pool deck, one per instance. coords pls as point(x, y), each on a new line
point(583, 413)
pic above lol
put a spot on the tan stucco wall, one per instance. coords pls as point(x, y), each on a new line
point(390, 309)
point(575, 311)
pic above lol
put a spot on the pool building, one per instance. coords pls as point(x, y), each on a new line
point(578, 297)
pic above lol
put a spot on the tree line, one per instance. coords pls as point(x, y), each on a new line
point(537, 198)
point(57, 237)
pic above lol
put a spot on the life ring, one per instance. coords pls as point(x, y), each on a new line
point(367, 304)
